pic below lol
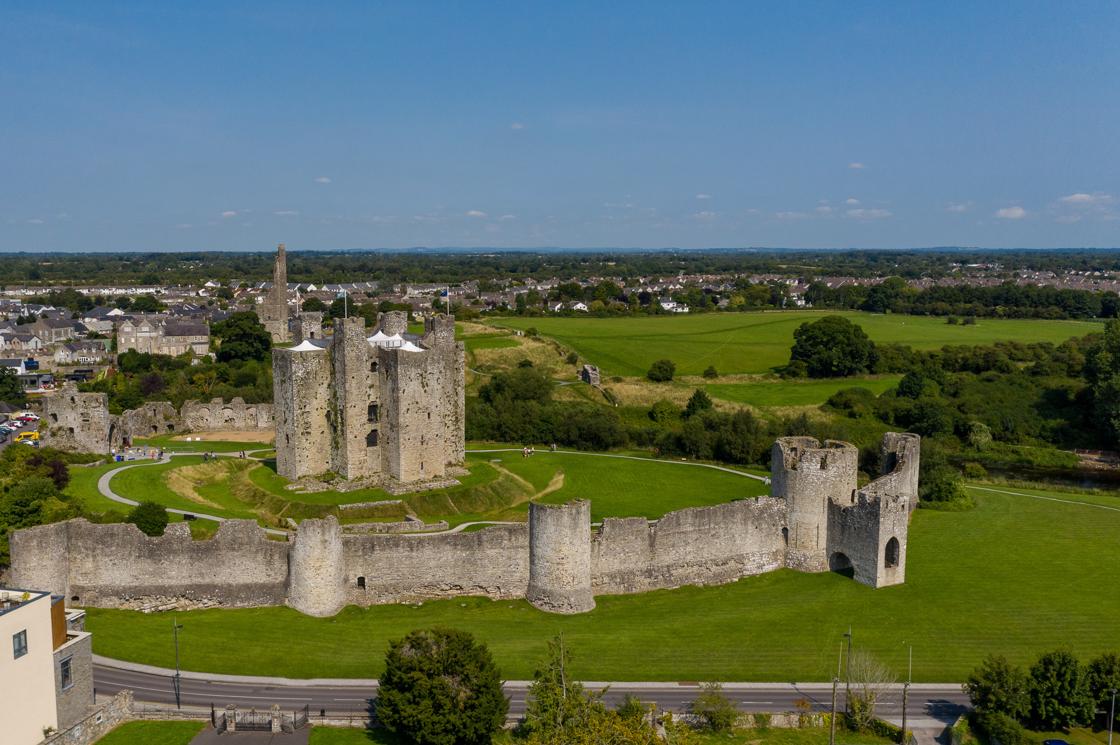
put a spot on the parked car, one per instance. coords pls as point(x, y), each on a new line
point(27, 436)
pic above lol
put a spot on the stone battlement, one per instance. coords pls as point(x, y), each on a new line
point(816, 520)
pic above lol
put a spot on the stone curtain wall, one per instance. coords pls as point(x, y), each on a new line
point(153, 418)
point(117, 566)
point(219, 416)
point(699, 546)
point(555, 561)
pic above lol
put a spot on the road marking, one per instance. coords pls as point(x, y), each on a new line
point(756, 702)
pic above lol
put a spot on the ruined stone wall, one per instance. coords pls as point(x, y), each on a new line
point(301, 384)
point(809, 476)
point(405, 568)
point(560, 557)
point(78, 422)
point(900, 457)
point(307, 325)
point(697, 546)
point(273, 312)
point(219, 416)
point(152, 418)
point(116, 565)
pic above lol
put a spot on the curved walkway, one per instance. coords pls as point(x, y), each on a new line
point(104, 485)
point(106, 489)
point(764, 479)
point(1046, 499)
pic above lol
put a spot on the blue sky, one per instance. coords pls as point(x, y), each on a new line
point(234, 126)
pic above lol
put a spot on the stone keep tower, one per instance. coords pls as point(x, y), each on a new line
point(385, 406)
point(79, 421)
point(274, 310)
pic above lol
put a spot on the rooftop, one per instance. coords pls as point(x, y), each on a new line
point(13, 599)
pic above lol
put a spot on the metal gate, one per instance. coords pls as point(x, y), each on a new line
point(254, 721)
point(302, 717)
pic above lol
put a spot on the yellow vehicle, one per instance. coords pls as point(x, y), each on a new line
point(27, 437)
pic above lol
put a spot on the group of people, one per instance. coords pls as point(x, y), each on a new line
point(529, 450)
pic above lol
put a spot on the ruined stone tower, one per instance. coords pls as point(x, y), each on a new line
point(79, 422)
point(273, 311)
point(386, 406)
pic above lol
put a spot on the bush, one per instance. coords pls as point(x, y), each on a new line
point(997, 726)
point(662, 371)
point(974, 470)
point(631, 708)
point(150, 517)
point(440, 686)
point(572, 358)
point(710, 372)
point(664, 411)
point(698, 402)
point(714, 710)
point(1060, 694)
point(999, 687)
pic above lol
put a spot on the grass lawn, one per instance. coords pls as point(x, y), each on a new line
point(152, 733)
point(777, 392)
point(627, 488)
point(170, 444)
point(783, 736)
point(1016, 576)
point(759, 342)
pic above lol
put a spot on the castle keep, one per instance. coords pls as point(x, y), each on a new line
point(386, 406)
point(816, 520)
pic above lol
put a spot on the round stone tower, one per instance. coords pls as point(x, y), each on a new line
point(808, 475)
point(316, 571)
point(560, 557)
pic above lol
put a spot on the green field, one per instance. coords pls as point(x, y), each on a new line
point(1017, 576)
point(760, 342)
point(152, 733)
point(777, 392)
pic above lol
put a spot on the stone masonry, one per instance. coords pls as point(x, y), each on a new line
point(816, 520)
point(386, 407)
point(78, 421)
point(273, 312)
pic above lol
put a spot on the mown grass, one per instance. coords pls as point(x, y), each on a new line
point(1015, 576)
point(777, 392)
point(170, 444)
point(152, 733)
point(760, 342)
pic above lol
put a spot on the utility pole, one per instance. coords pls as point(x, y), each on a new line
point(1111, 716)
point(175, 628)
point(848, 673)
point(835, 683)
point(906, 690)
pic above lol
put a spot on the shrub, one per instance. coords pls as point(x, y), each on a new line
point(1060, 692)
point(698, 402)
point(631, 708)
point(974, 470)
point(572, 358)
point(664, 411)
point(661, 371)
point(150, 517)
point(715, 711)
point(710, 372)
point(441, 687)
point(1000, 727)
point(999, 687)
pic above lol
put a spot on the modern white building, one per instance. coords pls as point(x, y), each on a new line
point(46, 666)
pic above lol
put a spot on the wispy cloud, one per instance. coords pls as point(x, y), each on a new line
point(229, 213)
point(958, 207)
point(36, 221)
point(475, 213)
point(856, 166)
point(1087, 200)
point(1011, 213)
point(517, 126)
point(851, 201)
point(285, 213)
point(506, 218)
point(705, 215)
point(323, 180)
point(863, 213)
point(703, 196)
point(792, 215)
point(824, 210)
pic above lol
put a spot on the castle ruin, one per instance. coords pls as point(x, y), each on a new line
point(816, 520)
point(273, 312)
point(386, 407)
point(78, 421)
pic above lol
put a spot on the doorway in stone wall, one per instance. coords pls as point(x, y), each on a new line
point(841, 564)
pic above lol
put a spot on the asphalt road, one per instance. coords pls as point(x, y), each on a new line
point(930, 706)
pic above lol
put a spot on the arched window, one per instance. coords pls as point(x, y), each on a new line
point(890, 554)
point(785, 535)
point(362, 582)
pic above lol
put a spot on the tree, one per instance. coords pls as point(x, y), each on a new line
point(1059, 692)
point(22, 506)
point(314, 305)
point(242, 337)
point(710, 372)
point(147, 304)
point(714, 709)
point(662, 371)
point(150, 517)
point(832, 347)
point(441, 687)
point(699, 401)
point(11, 390)
point(1102, 675)
point(998, 686)
point(979, 435)
point(664, 411)
point(870, 680)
